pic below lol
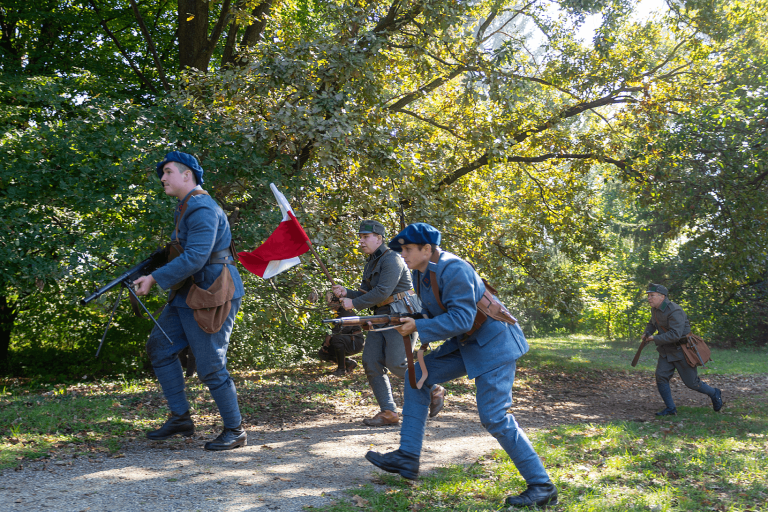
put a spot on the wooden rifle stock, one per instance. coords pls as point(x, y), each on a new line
point(637, 354)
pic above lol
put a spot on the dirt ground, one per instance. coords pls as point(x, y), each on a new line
point(301, 462)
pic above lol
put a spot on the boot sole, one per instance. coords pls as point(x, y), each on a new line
point(433, 413)
point(186, 433)
point(535, 507)
point(234, 445)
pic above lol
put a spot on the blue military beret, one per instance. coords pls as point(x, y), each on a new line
point(182, 158)
point(418, 233)
point(658, 288)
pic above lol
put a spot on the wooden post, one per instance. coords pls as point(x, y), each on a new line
point(322, 265)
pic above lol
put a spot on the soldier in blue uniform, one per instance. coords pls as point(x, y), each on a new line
point(386, 282)
point(488, 355)
point(205, 294)
point(673, 325)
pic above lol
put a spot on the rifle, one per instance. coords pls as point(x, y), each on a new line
point(367, 323)
point(155, 260)
point(643, 343)
point(364, 321)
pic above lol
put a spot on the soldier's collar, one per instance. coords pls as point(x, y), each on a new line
point(434, 260)
point(664, 304)
point(180, 202)
point(381, 250)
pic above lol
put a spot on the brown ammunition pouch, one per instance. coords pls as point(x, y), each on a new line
point(211, 307)
point(696, 352)
point(487, 306)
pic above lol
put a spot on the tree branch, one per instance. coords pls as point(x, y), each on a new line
point(122, 50)
point(422, 91)
point(150, 45)
point(521, 136)
point(210, 44)
point(433, 123)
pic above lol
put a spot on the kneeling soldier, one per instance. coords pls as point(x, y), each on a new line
point(342, 342)
point(670, 319)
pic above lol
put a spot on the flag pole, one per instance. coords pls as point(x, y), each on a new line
point(322, 265)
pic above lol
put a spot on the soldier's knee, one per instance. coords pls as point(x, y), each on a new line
point(156, 348)
point(373, 368)
point(215, 379)
point(495, 423)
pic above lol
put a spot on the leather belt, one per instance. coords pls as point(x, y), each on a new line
point(393, 298)
point(223, 256)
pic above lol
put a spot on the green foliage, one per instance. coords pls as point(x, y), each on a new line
point(570, 174)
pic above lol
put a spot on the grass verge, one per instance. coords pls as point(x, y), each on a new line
point(698, 461)
point(578, 351)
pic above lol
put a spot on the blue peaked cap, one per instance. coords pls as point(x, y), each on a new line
point(418, 233)
point(182, 158)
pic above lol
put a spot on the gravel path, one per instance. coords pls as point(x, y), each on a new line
point(310, 463)
point(288, 470)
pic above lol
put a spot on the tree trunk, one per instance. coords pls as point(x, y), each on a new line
point(7, 318)
point(193, 34)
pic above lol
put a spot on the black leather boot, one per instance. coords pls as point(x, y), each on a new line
point(341, 368)
point(177, 424)
point(405, 464)
point(536, 495)
point(717, 400)
point(229, 439)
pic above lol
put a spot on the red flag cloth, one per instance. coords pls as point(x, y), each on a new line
point(288, 241)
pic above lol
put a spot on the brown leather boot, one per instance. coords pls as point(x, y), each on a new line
point(382, 419)
point(437, 400)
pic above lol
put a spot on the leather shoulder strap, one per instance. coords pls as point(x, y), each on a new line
point(653, 315)
point(183, 208)
point(435, 258)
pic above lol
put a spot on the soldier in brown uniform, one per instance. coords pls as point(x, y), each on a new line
point(673, 325)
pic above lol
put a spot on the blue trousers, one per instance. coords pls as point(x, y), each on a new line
point(494, 398)
point(210, 352)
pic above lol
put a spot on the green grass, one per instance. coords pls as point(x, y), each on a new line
point(82, 419)
point(577, 351)
point(696, 462)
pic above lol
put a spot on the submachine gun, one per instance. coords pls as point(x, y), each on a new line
point(155, 260)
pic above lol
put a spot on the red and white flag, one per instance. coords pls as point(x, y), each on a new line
point(282, 249)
